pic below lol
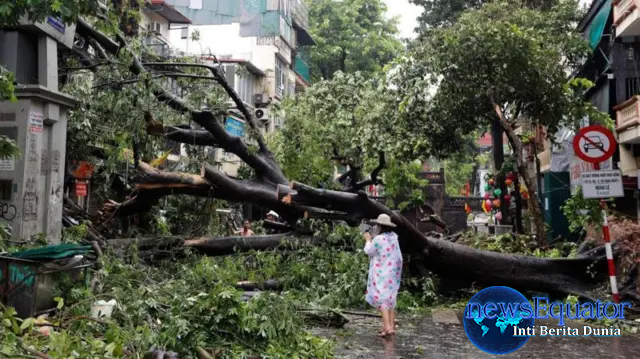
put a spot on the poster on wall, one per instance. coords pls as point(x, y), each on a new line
point(7, 165)
point(36, 124)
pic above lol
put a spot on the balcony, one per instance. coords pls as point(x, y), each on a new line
point(302, 68)
point(628, 121)
point(300, 14)
point(626, 17)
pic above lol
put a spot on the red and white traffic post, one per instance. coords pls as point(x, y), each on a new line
point(609, 250)
point(596, 144)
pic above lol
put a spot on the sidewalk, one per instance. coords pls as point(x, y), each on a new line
point(441, 335)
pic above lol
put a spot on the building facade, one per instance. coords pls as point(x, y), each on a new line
point(613, 31)
point(271, 34)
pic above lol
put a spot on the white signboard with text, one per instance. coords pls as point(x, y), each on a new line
point(579, 166)
point(602, 184)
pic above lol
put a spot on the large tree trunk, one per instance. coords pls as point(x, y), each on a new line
point(270, 189)
point(529, 182)
point(498, 161)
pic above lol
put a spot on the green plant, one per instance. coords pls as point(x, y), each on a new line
point(581, 212)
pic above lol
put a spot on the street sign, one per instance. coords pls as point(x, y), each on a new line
point(602, 184)
point(594, 144)
point(579, 166)
point(81, 189)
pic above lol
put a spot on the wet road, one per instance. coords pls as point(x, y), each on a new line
point(441, 335)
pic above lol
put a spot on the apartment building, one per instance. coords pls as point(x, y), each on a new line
point(613, 31)
point(271, 34)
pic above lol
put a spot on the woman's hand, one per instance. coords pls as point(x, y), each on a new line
point(367, 236)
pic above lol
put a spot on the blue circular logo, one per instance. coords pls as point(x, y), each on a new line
point(496, 320)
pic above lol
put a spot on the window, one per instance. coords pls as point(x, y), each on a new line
point(245, 86)
point(277, 122)
point(632, 87)
point(6, 186)
point(281, 73)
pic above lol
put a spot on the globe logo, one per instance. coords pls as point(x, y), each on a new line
point(491, 327)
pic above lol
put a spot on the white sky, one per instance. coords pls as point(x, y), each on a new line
point(408, 15)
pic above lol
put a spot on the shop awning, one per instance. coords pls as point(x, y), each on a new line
point(594, 31)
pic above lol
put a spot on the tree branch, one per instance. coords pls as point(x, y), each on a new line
point(179, 133)
point(374, 176)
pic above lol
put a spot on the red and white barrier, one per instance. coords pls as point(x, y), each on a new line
point(610, 263)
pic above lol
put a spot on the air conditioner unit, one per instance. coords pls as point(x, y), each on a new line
point(262, 114)
point(260, 99)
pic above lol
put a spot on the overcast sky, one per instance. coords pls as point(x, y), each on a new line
point(408, 14)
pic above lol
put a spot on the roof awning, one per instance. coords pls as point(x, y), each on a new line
point(594, 31)
point(303, 36)
point(168, 12)
point(248, 64)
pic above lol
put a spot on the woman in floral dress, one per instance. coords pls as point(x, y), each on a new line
point(385, 270)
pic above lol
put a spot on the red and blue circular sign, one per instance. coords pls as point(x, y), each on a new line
point(594, 144)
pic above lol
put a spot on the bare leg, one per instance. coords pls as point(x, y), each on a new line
point(385, 322)
point(392, 321)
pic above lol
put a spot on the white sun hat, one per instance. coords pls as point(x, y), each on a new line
point(383, 220)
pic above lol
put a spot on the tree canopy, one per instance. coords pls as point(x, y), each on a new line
point(505, 61)
point(351, 35)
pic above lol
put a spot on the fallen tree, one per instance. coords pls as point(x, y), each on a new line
point(269, 188)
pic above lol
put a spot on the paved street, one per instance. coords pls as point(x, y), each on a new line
point(441, 335)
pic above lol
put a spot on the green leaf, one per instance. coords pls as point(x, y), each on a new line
point(27, 323)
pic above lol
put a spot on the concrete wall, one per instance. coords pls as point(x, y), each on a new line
point(34, 204)
point(225, 40)
point(150, 17)
point(31, 187)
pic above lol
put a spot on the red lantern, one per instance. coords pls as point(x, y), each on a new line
point(508, 182)
point(507, 198)
point(496, 203)
point(511, 176)
point(486, 195)
point(491, 182)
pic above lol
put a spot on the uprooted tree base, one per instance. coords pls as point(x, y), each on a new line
point(271, 189)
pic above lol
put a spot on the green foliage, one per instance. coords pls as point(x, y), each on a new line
point(74, 234)
point(350, 36)
point(521, 244)
point(348, 115)
point(6, 85)
point(504, 53)
point(582, 213)
point(403, 185)
point(37, 10)
point(443, 12)
point(182, 219)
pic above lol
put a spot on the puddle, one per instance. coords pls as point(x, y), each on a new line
point(424, 337)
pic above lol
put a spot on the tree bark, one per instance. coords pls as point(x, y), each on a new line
point(534, 208)
point(498, 161)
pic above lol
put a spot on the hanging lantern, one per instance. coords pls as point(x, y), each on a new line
point(511, 176)
point(467, 209)
point(497, 192)
point(486, 195)
point(491, 181)
point(486, 207)
point(487, 187)
point(508, 182)
point(499, 216)
point(507, 198)
point(496, 203)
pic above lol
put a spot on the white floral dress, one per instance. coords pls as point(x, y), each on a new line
point(385, 270)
